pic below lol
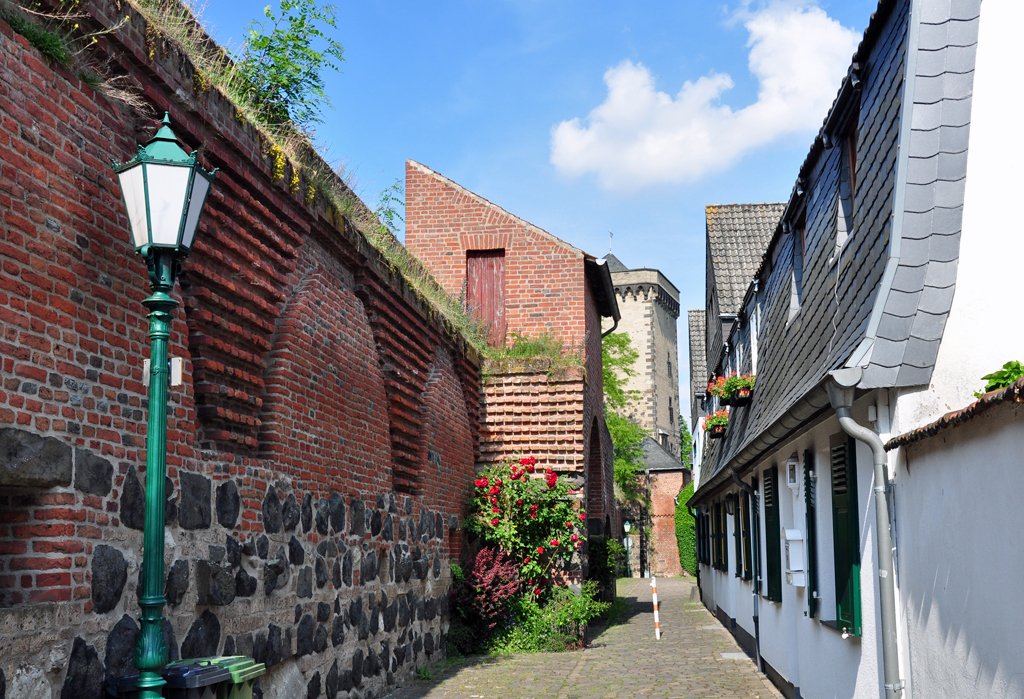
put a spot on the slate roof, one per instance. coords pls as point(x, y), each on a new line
point(883, 303)
point(698, 362)
point(738, 235)
point(657, 459)
point(614, 263)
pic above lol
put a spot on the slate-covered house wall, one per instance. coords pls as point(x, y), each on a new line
point(859, 275)
point(313, 497)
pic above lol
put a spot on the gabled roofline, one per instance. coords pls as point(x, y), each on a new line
point(491, 205)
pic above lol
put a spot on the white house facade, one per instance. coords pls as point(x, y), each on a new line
point(839, 531)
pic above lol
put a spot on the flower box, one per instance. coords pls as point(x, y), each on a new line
point(718, 431)
point(735, 389)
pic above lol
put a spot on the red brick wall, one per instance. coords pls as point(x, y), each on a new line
point(311, 371)
point(665, 486)
point(530, 412)
point(544, 277)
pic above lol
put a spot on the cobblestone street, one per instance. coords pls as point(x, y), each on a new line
point(696, 657)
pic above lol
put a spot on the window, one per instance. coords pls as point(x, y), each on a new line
point(810, 500)
point(485, 291)
point(799, 242)
point(671, 418)
point(845, 533)
point(772, 535)
point(847, 192)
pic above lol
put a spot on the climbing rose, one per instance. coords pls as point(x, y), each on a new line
point(494, 500)
point(526, 560)
point(583, 516)
point(494, 522)
point(578, 544)
point(568, 525)
point(530, 468)
point(540, 550)
point(519, 501)
point(573, 538)
point(480, 482)
point(534, 515)
point(494, 490)
point(555, 542)
point(495, 510)
point(497, 482)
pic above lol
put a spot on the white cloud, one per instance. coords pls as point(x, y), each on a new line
point(640, 136)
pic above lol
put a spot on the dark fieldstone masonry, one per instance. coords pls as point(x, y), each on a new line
point(177, 582)
point(85, 672)
point(228, 504)
point(120, 652)
point(194, 508)
point(203, 637)
point(28, 460)
point(109, 574)
point(93, 475)
point(272, 515)
point(133, 501)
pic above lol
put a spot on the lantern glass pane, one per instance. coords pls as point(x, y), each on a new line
point(134, 191)
point(167, 185)
point(200, 188)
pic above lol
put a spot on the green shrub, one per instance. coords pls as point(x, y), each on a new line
point(557, 624)
point(686, 535)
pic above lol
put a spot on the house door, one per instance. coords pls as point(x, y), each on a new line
point(485, 291)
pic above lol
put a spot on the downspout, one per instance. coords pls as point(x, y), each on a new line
point(756, 559)
point(841, 394)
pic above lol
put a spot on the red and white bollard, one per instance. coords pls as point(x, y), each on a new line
point(654, 599)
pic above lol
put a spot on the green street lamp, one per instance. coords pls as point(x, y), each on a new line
point(164, 190)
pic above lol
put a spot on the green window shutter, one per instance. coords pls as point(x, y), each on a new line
point(755, 523)
point(723, 527)
point(714, 535)
point(810, 500)
point(846, 533)
point(745, 522)
point(772, 533)
point(736, 536)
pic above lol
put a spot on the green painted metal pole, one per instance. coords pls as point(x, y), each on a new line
point(151, 650)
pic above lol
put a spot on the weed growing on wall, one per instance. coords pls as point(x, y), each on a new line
point(282, 63)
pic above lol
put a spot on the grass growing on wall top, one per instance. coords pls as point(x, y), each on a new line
point(295, 160)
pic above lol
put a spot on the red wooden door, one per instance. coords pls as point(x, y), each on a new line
point(485, 291)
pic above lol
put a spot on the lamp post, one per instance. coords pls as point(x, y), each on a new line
point(626, 526)
point(164, 190)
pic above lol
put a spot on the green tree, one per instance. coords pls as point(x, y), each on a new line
point(686, 535)
point(617, 359)
point(685, 443)
point(281, 65)
point(627, 441)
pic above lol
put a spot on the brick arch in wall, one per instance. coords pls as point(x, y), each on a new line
point(597, 515)
point(325, 417)
point(448, 439)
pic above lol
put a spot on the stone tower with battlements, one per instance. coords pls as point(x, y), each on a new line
point(649, 306)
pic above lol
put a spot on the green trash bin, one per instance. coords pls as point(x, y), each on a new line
point(244, 672)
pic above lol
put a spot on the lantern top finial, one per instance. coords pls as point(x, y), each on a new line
point(165, 145)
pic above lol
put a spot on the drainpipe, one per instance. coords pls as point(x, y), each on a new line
point(841, 394)
point(756, 559)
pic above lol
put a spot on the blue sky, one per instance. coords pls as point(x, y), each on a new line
point(586, 117)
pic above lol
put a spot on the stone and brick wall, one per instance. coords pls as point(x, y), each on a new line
point(320, 450)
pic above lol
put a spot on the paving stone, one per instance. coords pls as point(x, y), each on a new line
point(624, 660)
